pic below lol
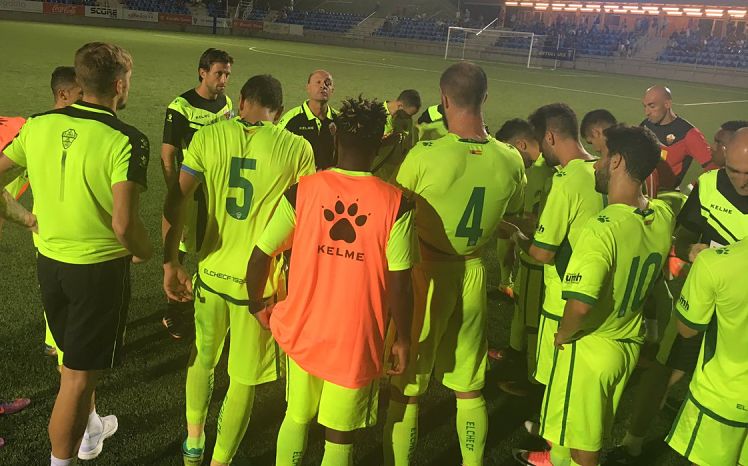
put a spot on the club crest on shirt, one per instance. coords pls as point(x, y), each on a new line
point(68, 138)
point(670, 138)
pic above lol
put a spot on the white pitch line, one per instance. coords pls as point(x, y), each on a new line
point(716, 103)
point(391, 66)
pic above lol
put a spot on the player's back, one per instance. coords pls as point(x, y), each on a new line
point(462, 190)
point(635, 243)
point(245, 169)
point(715, 302)
point(74, 156)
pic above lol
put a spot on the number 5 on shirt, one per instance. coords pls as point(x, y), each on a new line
point(240, 211)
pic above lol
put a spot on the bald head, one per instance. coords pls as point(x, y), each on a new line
point(736, 161)
point(320, 86)
point(659, 92)
point(465, 86)
point(658, 104)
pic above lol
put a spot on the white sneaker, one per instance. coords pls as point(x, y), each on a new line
point(91, 446)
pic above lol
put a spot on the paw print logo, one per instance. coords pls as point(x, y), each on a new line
point(560, 174)
point(603, 219)
point(722, 251)
point(343, 229)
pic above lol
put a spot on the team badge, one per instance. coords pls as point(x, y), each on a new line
point(68, 137)
point(670, 138)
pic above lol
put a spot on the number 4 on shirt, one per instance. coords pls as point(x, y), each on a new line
point(473, 214)
point(236, 180)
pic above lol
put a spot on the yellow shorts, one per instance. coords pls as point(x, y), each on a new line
point(340, 408)
point(449, 326)
point(545, 349)
point(254, 357)
point(706, 440)
point(587, 380)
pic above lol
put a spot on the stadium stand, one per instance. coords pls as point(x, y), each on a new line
point(161, 6)
point(321, 20)
point(410, 28)
point(693, 48)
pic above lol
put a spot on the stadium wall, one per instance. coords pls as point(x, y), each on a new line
point(26, 10)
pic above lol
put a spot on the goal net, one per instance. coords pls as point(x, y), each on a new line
point(532, 50)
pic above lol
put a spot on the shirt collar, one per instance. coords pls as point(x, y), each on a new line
point(311, 116)
point(88, 106)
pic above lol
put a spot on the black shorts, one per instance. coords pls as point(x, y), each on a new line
point(86, 307)
point(685, 353)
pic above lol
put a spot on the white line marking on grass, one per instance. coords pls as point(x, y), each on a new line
point(716, 103)
point(392, 66)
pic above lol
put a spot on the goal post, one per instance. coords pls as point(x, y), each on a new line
point(527, 48)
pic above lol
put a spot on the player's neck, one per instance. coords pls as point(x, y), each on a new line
point(670, 117)
point(627, 192)
point(392, 107)
point(108, 102)
point(467, 125)
point(205, 93)
point(318, 108)
point(572, 150)
point(353, 163)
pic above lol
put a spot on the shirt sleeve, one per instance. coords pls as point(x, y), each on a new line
point(553, 226)
point(16, 150)
point(590, 265)
point(407, 175)
point(176, 128)
point(193, 156)
point(283, 122)
point(131, 163)
point(517, 201)
point(307, 165)
point(278, 234)
point(400, 245)
point(696, 303)
point(690, 215)
point(699, 149)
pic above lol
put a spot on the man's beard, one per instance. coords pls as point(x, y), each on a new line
point(601, 182)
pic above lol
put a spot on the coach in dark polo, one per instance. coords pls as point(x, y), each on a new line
point(313, 119)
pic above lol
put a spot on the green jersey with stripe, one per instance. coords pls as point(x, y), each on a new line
point(244, 169)
point(614, 267)
point(571, 201)
point(462, 189)
point(188, 113)
point(714, 300)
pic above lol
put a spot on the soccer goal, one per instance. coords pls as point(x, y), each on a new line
point(534, 50)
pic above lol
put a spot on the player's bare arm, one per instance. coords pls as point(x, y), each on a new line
point(126, 221)
point(258, 269)
point(570, 327)
point(169, 164)
point(177, 283)
point(10, 209)
point(401, 305)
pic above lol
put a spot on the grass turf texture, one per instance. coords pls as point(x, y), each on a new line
point(147, 393)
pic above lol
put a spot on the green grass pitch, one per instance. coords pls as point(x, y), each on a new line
point(147, 393)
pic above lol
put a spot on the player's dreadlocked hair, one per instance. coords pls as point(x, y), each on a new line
point(360, 124)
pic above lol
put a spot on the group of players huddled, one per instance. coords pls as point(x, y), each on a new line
point(340, 245)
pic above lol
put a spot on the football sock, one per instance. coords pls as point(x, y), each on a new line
point(291, 442)
point(58, 462)
point(196, 442)
point(633, 444)
point(560, 456)
point(337, 454)
point(472, 429)
point(573, 463)
point(400, 433)
point(94, 426)
point(199, 388)
point(233, 420)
